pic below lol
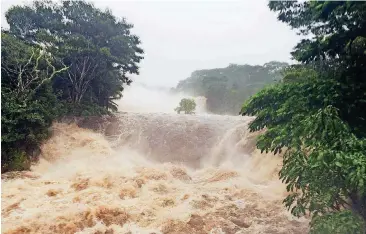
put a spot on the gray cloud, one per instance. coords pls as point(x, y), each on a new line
point(182, 36)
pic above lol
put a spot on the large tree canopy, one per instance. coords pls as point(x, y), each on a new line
point(337, 47)
point(66, 58)
point(317, 114)
point(98, 48)
point(28, 103)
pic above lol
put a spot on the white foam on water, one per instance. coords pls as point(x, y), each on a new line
point(157, 173)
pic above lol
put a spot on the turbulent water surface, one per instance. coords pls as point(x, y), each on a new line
point(150, 173)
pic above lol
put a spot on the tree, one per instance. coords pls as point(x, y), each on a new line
point(317, 115)
point(298, 73)
point(186, 105)
point(66, 58)
point(227, 88)
point(28, 103)
point(97, 47)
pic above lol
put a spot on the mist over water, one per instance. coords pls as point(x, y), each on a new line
point(150, 170)
point(144, 99)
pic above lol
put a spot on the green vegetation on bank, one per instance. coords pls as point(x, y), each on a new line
point(317, 115)
point(187, 105)
point(66, 58)
point(226, 88)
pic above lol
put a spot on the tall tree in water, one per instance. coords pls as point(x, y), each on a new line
point(187, 105)
point(98, 48)
point(318, 115)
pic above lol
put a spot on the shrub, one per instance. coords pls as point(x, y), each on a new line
point(186, 105)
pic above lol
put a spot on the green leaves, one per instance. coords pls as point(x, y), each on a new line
point(227, 88)
point(28, 103)
point(97, 47)
point(80, 69)
point(324, 161)
point(186, 105)
point(338, 223)
point(318, 114)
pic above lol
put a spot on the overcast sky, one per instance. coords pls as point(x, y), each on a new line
point(182, 36)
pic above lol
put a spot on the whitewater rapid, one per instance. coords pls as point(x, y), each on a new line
point(149, 173)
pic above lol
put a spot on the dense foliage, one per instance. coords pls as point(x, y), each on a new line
point(97, 47)
point(28, 102)
point(317, 115)
point(226, 88)
point(187, 105)
point(68, 58)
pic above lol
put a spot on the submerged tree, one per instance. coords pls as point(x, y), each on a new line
point(318, 115)
point(186, 105)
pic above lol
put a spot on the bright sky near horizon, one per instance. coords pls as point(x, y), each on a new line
point(182, 36)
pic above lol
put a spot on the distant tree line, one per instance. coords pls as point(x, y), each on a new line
point(227, 88)
point(66, 58)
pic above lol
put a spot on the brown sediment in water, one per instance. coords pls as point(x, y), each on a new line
point(88, 184)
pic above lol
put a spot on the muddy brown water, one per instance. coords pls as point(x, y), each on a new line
point(149, 173)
